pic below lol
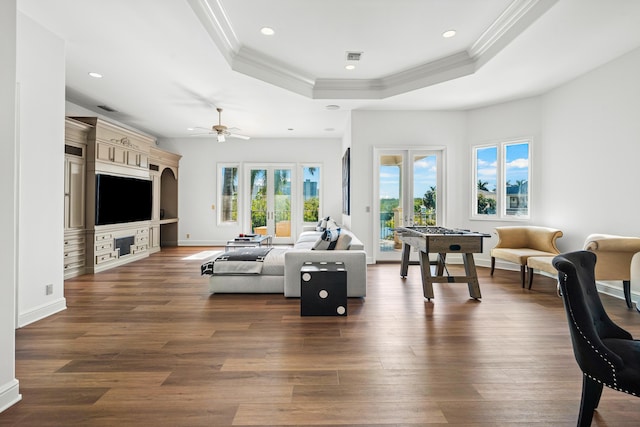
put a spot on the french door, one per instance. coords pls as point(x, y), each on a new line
point(408, 193)
point(270, 197)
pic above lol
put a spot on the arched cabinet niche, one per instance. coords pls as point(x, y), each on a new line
point(163, 168)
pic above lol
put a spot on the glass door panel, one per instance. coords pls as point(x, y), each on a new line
point(282, 202)
point(408, 193)
point(270, 202)
point(258, 203)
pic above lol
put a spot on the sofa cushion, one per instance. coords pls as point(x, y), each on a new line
point(344, 240)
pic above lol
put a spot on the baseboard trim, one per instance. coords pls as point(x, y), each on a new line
point(9, 394)
point(41, 312)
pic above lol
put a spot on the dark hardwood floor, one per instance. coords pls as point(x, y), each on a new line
point(145, 344)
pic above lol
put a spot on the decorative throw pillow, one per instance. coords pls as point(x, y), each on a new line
point(332, 224)
point(322, 224)
point(327, 223)
point(344, 241)
point(327, 241)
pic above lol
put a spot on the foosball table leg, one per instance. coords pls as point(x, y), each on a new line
point(470, 270)
point(427, 279)
point(404, 263)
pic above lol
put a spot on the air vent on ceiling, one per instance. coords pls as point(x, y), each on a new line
point(107, 108)
point(354, 56)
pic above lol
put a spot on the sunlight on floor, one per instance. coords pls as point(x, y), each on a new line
point(203, 255)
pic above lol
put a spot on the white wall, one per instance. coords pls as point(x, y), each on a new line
point(591, 130)
point(41, 78)
point(371, 129)
point(9, 387)
point(198, 180)
point(494, 124)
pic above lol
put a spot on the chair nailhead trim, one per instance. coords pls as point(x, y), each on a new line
point(613, 369)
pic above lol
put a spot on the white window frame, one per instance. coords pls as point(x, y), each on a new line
point(501, 194)
point(219, 183)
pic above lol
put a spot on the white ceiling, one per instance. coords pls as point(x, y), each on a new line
point(167, 64)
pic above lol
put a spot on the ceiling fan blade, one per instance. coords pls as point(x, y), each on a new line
point(236, 135)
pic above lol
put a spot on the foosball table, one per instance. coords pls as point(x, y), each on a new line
point(441, 241)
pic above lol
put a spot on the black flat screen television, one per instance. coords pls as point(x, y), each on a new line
point(122, 199)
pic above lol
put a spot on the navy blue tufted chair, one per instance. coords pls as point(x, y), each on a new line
point(607, 354)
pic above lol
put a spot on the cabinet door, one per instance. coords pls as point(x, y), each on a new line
point(74, 192)
point(154, 236)
point(155, 200)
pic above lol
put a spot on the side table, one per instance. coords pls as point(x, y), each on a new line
point(323, 289)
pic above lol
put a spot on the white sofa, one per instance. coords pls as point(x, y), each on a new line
point(354, 258)
point(281, 271)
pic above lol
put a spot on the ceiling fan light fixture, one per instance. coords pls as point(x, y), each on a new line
point(221, 137)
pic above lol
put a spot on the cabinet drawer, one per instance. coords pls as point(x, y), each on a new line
point(73, 254)
point(100, 259)
point(107, 246)
point(73, 246)
point(142, 240)
point(103, 237)
point(139, 248)
point(75, 264)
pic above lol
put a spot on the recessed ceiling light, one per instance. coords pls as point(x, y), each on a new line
point(332, 107)
point(289, 128)
point(449, 34)
point(267, 31)
point(350, 67)
point(95, 75)
point(189, 129)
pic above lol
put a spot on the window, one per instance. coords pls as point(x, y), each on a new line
point(501, 180)
point(228, 202)
point(310, 194)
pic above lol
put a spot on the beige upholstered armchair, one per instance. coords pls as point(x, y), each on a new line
point(613, 262)
point(517, 243)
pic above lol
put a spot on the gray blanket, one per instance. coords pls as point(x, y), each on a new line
point(239, 261)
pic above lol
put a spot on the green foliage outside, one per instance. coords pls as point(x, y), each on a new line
point(310, 210)
point(486, 205)
point(424, 210)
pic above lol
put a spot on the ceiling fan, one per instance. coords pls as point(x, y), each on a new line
point(221, 131)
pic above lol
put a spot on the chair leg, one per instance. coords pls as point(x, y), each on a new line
point(493, 264)
point(522, 269)
point(591, 392)
point(626, 287)
point(530, 276)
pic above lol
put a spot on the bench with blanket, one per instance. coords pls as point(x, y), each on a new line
point(277, 270)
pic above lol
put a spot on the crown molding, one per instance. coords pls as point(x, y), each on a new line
point(512, 22)
point(255, 64)
point(215, 21)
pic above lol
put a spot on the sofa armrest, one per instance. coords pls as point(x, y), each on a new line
point(355, 262)
point(608, 242)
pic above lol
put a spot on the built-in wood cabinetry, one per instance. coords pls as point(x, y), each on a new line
point(75, 152)
point(106, 148)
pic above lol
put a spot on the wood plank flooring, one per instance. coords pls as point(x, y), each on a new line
point(146, 345)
